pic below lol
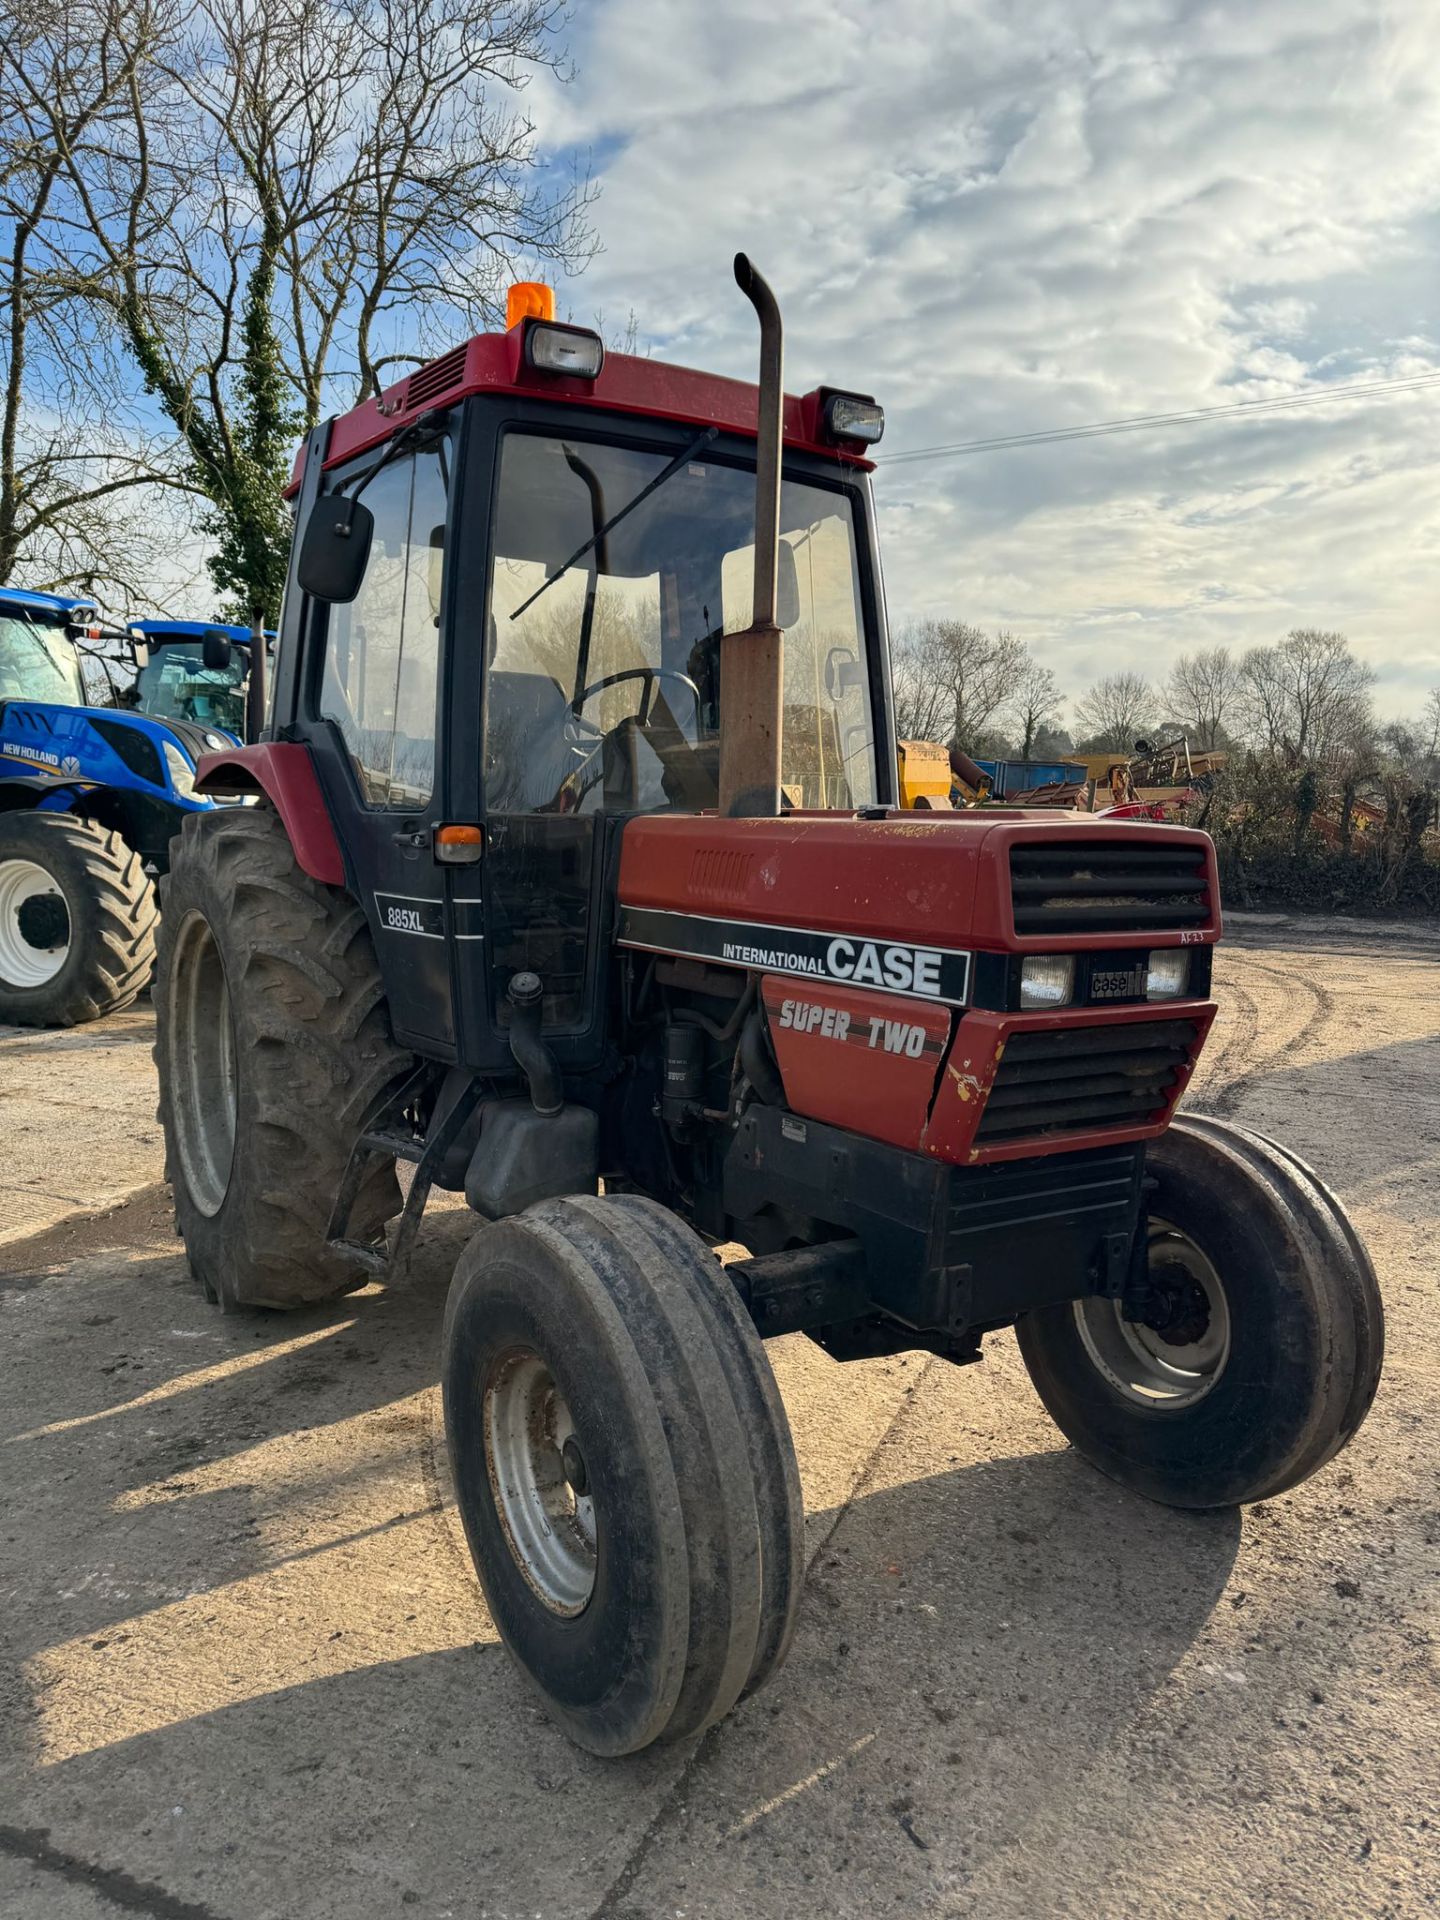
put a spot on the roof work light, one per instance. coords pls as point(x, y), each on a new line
point(854, 416)
point(551, 347)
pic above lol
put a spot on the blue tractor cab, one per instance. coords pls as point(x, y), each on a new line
point(179, 676)
point(90, 798)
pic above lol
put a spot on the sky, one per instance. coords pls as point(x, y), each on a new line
point(1002, 219)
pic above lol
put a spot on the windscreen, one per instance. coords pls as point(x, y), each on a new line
point(176, 684)
point(604, 689)
point(37, 662)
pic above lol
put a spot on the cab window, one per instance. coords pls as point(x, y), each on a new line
point(382, 648)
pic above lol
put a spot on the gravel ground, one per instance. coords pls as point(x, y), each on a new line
point(246, 1672)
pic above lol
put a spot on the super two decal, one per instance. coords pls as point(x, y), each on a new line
point(875, 1031)
point(921, 973)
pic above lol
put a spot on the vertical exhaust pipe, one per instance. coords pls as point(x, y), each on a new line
point(751, 662)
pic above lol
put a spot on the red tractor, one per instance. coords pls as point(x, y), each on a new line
point(577, 879)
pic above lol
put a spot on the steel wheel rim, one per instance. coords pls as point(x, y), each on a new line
point(1136, 1360)
point(22, 962)
point(202, 1064)
point(549, 1527)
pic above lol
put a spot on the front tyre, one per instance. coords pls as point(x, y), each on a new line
point(272, 1042)
point(1254, 1351)
point(77, 920)
point(637, 1539)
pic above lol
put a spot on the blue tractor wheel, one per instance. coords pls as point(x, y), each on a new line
point(77, 920)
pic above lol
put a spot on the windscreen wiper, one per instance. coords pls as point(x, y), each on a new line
point(651, 486)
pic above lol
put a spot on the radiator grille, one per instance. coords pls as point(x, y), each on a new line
point(1064, 1078)
point(1108, 887)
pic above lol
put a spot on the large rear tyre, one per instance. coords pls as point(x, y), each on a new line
point(77, 920)
point(1259, 1349)
point(272, 1043)
point(622, 1519)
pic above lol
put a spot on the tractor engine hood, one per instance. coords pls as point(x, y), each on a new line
point(902, 901)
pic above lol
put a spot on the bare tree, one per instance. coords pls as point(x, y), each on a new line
point(1202, 695)
point(78, 473)
point(1307, 697)
point(1430, 730)
point(952, 681)
point(299, 201)
point(1115, 712)
point(1416, 748)
point(1034, 705)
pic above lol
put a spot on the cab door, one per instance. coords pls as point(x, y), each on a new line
point(373, 703)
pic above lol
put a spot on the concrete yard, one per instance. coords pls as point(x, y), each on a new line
point(246, 1672)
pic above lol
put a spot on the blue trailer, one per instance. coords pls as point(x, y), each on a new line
point(89, 800)
point(1008, 777)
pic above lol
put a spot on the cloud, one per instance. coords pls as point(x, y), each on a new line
point(1002, 220)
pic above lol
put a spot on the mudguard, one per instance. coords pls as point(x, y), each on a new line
point(285, 774)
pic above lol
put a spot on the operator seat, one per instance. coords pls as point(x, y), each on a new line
point(527, 756)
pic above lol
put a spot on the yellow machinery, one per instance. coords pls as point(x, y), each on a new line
point(925, 777)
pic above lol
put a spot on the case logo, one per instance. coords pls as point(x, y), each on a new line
point(923, 973)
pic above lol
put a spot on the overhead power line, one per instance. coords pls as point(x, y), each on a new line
point(1151, 422)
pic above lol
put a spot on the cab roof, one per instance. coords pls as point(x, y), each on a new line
point(626, 383)
point(190, 629)
point(48, 606)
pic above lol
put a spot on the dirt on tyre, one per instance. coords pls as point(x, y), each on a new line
point(639, 1555)
point(272, 1043)
point(78, 917)
point(1259, 1347)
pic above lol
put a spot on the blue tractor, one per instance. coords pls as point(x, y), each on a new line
point(89, 799)
point(196, 670)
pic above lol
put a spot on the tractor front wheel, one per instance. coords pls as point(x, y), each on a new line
point(272, 1042)
point(623, 1468)
point(1252, 1351)
point(77, 920)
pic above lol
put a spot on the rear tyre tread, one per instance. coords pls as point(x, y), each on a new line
point(314, 1052)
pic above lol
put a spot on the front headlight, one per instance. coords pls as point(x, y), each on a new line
point(1047, 980)
point(1168, 974)
point(182, 774)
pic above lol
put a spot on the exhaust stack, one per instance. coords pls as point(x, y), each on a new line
point(751, 662)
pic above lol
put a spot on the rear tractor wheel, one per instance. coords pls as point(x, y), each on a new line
point(272, 1042)
point(1254, 1349)
point(623, 1468)
point(77, 920)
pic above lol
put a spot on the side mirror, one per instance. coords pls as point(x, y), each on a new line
point(842, 673)
point(215, 651)
point(787, 590)
point(335, 548)
point(140, 653)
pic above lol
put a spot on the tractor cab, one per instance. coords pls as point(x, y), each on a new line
point(515, 577)
point(194, 670)
point(39, 659)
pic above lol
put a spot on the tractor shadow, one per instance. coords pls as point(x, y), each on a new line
point(971, 1643)
point(149, 1443)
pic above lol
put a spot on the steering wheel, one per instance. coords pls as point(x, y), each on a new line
point(651, 676)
